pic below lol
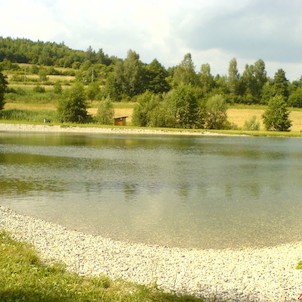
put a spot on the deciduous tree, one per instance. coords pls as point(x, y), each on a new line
point(207, 82)
point(184, 73)
point(105, 112)
point(216, 112)
point(276, 116)
point(182, 102)
point(233, 80)
point(72, 107)
point(156, 78)
point(144, 108)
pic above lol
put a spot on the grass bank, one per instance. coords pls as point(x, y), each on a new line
point(24, 277)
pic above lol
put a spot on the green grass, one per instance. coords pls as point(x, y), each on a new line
point(28, 115)
point(299, 265)
point(259, 133)
point(24, 277)
point(27, 95)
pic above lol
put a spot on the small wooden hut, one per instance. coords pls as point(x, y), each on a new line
point(120, 121)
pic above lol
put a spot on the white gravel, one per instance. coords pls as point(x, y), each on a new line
point(6, 127)
point(266, 274)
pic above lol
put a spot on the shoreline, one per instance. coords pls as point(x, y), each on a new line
point(45, 128)
point(263, 274)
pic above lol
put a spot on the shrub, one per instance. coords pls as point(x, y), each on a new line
point(72, 107)
point(146, 104)
point(39, 89)
point(57, 88)
point(295, 99)
point(105, 112)
point(252, 124)
point(216, 112)
point(276, 117)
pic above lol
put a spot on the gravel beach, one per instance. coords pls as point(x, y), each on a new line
point(4, 127)
point(266, 274)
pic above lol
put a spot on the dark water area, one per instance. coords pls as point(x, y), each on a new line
point(194, 192)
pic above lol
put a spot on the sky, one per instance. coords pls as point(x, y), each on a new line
point(213, 31)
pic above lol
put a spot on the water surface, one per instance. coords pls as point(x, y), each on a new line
point(201, 192)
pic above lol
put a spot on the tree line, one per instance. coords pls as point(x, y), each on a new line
point(178, 96)
point(128, 78)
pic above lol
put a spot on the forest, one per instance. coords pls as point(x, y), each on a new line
point(178, 96)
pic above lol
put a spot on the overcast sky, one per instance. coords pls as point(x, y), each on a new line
point(213, 31)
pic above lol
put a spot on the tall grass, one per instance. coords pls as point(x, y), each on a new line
point(29, 116)
point(28, 95)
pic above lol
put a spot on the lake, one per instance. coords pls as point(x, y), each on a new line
point(180, 191)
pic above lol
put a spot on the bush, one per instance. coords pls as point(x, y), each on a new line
point(146, 104)
point(276, 117)
point(27, 115)
point(105, 112)
point(216, 112)
point(182, 107)
point(93, 91)
point(39, 89)
point(295, 99)
point(57, 88)
point(72, 107)
point(252, 124)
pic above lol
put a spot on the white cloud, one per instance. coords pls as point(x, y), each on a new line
point(214, 31)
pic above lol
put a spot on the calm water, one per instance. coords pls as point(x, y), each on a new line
point(208, 192)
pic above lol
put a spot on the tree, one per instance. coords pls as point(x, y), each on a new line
point(127, 79)
point(260, 77)
point(3, 88)
point(105, 112)
point(184, 73)
point(276, 116)
point(72, 107)
point(115, 82)
point(182, 106)
point(249, 85)
point(216, 112)
point(156, 78)
point(233, 80)
point(133, 75)
point(281, 84)
point(143, 110)
point(93, 91)
point(295, 98)
point(206, 79)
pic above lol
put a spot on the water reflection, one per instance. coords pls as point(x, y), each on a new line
point(204, 192)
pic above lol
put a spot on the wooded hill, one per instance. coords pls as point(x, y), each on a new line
point(125, 79)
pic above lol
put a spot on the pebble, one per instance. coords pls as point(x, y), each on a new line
point(264, 274)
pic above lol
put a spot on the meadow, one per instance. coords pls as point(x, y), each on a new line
point(32, 98)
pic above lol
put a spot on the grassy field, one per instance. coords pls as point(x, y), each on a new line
point(23, 81)
point(25, 277)
point(236, 115)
